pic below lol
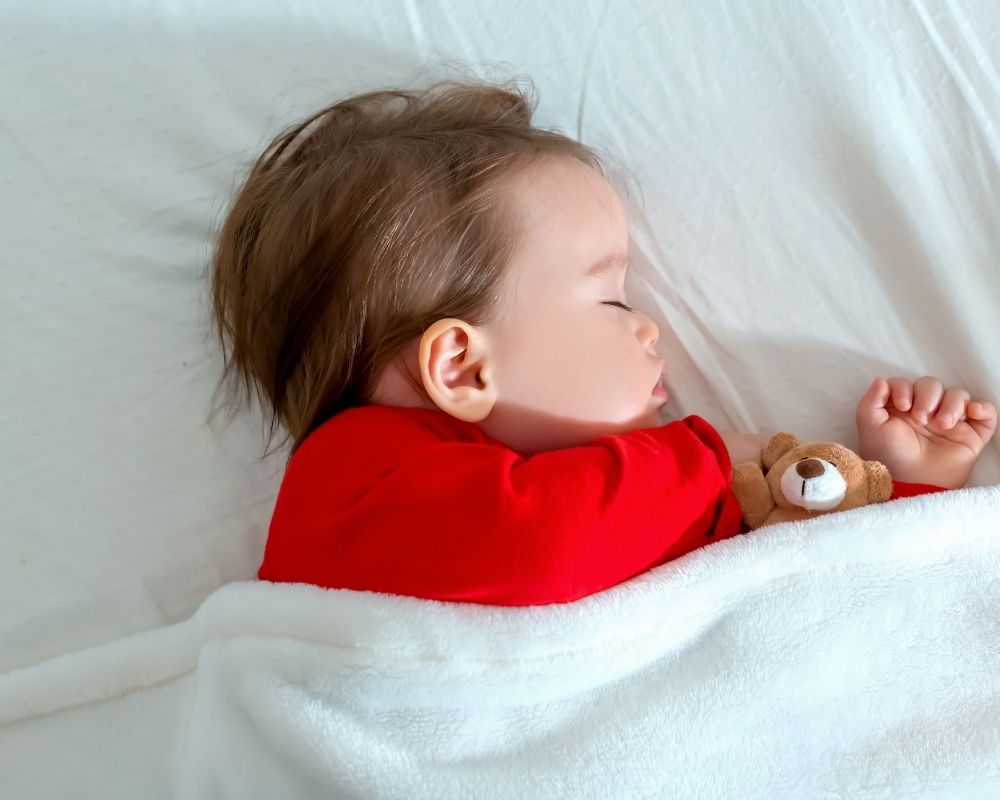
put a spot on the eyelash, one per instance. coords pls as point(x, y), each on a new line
point(618, 304)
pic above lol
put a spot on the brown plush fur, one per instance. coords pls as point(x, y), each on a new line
point(760, 495)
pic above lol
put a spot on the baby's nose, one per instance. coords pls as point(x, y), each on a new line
point(809, 468)
point(648, 332)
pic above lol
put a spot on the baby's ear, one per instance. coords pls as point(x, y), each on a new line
point(778, 445)
point(457, 370)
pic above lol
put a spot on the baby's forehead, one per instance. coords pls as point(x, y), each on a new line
point(568, 214)
point(562, 183)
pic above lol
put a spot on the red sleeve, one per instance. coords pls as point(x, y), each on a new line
point(477, 522)
point(901, 489)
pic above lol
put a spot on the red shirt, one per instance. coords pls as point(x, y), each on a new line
point(415, 502)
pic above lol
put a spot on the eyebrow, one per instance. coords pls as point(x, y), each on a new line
point(607, 263)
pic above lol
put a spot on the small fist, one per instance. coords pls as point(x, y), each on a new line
point(922, 431)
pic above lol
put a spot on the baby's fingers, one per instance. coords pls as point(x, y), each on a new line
point(927, 392)
point(982, 417)
point(952, 408)
point(871, 408)
point(901, 391)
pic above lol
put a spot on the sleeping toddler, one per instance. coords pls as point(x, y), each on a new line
point(427, 292)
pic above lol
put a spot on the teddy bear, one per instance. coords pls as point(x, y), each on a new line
point(803, 480)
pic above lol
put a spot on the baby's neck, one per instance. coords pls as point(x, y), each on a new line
point(394, 389)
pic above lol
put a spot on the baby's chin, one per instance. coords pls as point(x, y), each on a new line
point(530, 431)
point(653, 416)
point(647, 418)
point(654, 419)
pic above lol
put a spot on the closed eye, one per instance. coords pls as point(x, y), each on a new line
point(618, 304)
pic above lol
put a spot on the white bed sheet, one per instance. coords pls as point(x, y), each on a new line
point(819, 204)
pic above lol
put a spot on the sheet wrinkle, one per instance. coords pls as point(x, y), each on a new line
point(588, 59)
point(27, 156)
point(960, 79)
point(893, 238)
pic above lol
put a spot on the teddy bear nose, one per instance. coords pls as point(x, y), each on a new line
point(809, 468)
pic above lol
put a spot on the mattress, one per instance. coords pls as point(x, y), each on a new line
point(813, 200)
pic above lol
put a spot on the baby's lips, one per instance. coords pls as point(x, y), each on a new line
point(660, 387)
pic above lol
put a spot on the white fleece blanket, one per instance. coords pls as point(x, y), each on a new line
point(856, 655)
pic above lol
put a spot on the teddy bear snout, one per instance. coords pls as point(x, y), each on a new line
point(813, 484)
point(809, 468)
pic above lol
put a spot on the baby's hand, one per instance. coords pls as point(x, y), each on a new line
point(923, 432)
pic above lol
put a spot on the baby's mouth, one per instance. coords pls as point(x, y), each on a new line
point(660, 387)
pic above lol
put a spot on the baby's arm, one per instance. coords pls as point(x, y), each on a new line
point(744, 447)
point(475, 521)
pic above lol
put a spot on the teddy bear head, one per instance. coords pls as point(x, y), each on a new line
point(822, 476)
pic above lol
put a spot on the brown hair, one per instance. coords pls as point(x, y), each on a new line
point(359, 227)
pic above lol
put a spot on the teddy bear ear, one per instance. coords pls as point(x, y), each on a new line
point(879, 482)
point(777, 446)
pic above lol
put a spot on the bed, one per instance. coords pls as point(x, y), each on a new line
point(813, 199)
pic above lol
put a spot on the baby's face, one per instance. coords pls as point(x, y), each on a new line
point(570, 362)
